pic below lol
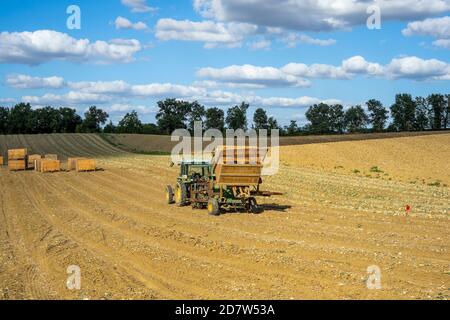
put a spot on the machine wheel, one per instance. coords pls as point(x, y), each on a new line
point(169, 195)
point(180, 194)
point(213, 207)
point(253, 206)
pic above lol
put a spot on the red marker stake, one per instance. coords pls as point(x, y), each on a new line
point(407, 209)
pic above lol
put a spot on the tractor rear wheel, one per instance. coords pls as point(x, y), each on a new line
point(180, 194)
point(169, 194)
point(213, 207)
point(253, 206)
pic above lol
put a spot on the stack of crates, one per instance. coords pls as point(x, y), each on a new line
point(81, 164)
point(17, 159)
point(32, 159)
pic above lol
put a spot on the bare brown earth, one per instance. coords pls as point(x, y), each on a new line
point(314, 242)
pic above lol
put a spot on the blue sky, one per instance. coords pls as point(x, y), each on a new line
point(279, 55)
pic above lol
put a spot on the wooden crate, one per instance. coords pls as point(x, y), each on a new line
point(85, 165)
point(15, 165)
point(237, 174)
point(51, 156)
point(31, 159)
point(72, 163)
point(48, 165)
point(239, 155)
point(17, 154)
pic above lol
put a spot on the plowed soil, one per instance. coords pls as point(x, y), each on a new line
point(314, 242)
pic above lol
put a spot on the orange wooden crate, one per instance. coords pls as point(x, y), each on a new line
point(239, 155)
point(85, 165)
point(51, 156)
point(237, 174)
point(48, 165)
point(31, 159)
point(17, 154)
point(15, 165)
point(72, 163)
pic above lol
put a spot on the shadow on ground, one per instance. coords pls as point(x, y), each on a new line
point(275, 207)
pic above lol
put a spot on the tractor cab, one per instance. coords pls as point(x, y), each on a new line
point(191, 171)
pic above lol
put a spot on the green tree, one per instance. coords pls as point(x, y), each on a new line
point(403, 112)
point(260, 119)
point(378, 115)
point(130, 123)
point(337, 118)
point(150, 128)
point(69, 119)
point(422, 112)
point(447, 112)
point(437, 112)
point(172, 115)
point(110, 128)
point(20, 119)
point(273, 123)
point(319, 117)
point(45, 120)
point(215, 119)
point(4, 120)
point(94, 118)
point(197, 113)
point(237, 117)
point(292, 128)
point(356, 119)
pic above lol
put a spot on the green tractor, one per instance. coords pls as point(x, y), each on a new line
point(217, 187)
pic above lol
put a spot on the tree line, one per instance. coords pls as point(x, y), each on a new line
point(406, 114)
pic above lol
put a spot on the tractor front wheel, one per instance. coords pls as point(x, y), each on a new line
point(169, 194)
point(213, 207)
point(253, 206)
point(180, 194)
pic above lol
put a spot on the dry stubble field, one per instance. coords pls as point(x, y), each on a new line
point(314, 242)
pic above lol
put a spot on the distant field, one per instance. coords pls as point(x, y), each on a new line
point(65, 145)
point(416, 160)
point(155, 143)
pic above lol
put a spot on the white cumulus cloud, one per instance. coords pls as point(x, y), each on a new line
point(115, 96)
point(292, 39)
point(417, 68)
point(443, 43)
point(324, 15)
point(434, 27)
point(124, 23)
point(209, 32)
point(68, 99)
point(45, 45)
point(139, 6)
point(297, 74)
point(249, 74)
point(261, 45)
point(21, 81)
point(438, 28)
point(125, 107)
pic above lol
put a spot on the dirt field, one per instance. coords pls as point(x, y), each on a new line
point(144, 143)
point(314, 242)
point(416, 160)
